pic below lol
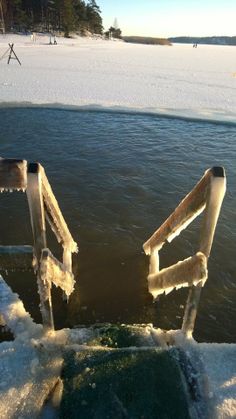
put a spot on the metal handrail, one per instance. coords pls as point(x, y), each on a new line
point(206, 196)
point(17, 175)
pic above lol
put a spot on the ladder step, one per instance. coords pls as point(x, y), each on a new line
point(183, 274)
point(13, 174)
point(16, 257)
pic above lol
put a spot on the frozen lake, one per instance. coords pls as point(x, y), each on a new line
point(117, 177)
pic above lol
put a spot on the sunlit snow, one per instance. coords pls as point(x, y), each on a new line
point(177, 80)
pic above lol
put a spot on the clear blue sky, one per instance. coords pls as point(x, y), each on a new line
point(166, 18)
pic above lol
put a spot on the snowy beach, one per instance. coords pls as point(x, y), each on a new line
point(85, 72)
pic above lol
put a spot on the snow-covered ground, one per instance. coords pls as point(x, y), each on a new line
point(216, 365)
point(178, 80)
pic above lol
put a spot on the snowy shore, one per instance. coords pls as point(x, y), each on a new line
point(177, 80)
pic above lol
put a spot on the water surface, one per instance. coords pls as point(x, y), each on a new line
point(117, 177)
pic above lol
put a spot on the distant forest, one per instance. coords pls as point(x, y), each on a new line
point(212, 40)
point(52, 15)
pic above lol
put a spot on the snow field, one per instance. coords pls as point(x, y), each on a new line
point(178, 80)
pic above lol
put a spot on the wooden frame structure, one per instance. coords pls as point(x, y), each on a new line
point(206, 196)
point(17, 175)
point(11, 54)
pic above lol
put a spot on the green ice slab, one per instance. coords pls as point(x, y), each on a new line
point(142, 383)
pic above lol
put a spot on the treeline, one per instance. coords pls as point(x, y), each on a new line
point(146, 40)
point(210, 40)
point(52, 15)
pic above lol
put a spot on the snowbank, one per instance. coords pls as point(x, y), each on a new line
point(215, 367)
point(220, 365)
point(177, 80)
point(30, 365)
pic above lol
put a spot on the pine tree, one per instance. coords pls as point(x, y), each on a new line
point(68, 17)
point(51, 15)
point(80, 15)
point(115, 32)
point(17, 15)
point(94, 18)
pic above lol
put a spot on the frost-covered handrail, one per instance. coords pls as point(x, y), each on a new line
point(53, 212)
point(16, 175)
point(188, 209)
point(54, 271)
point(13, 174)
point(207, 195)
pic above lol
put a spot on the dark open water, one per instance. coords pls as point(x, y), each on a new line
point(117, 177)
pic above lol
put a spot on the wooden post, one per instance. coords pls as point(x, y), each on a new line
point(215, 196)
point(36, 207)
